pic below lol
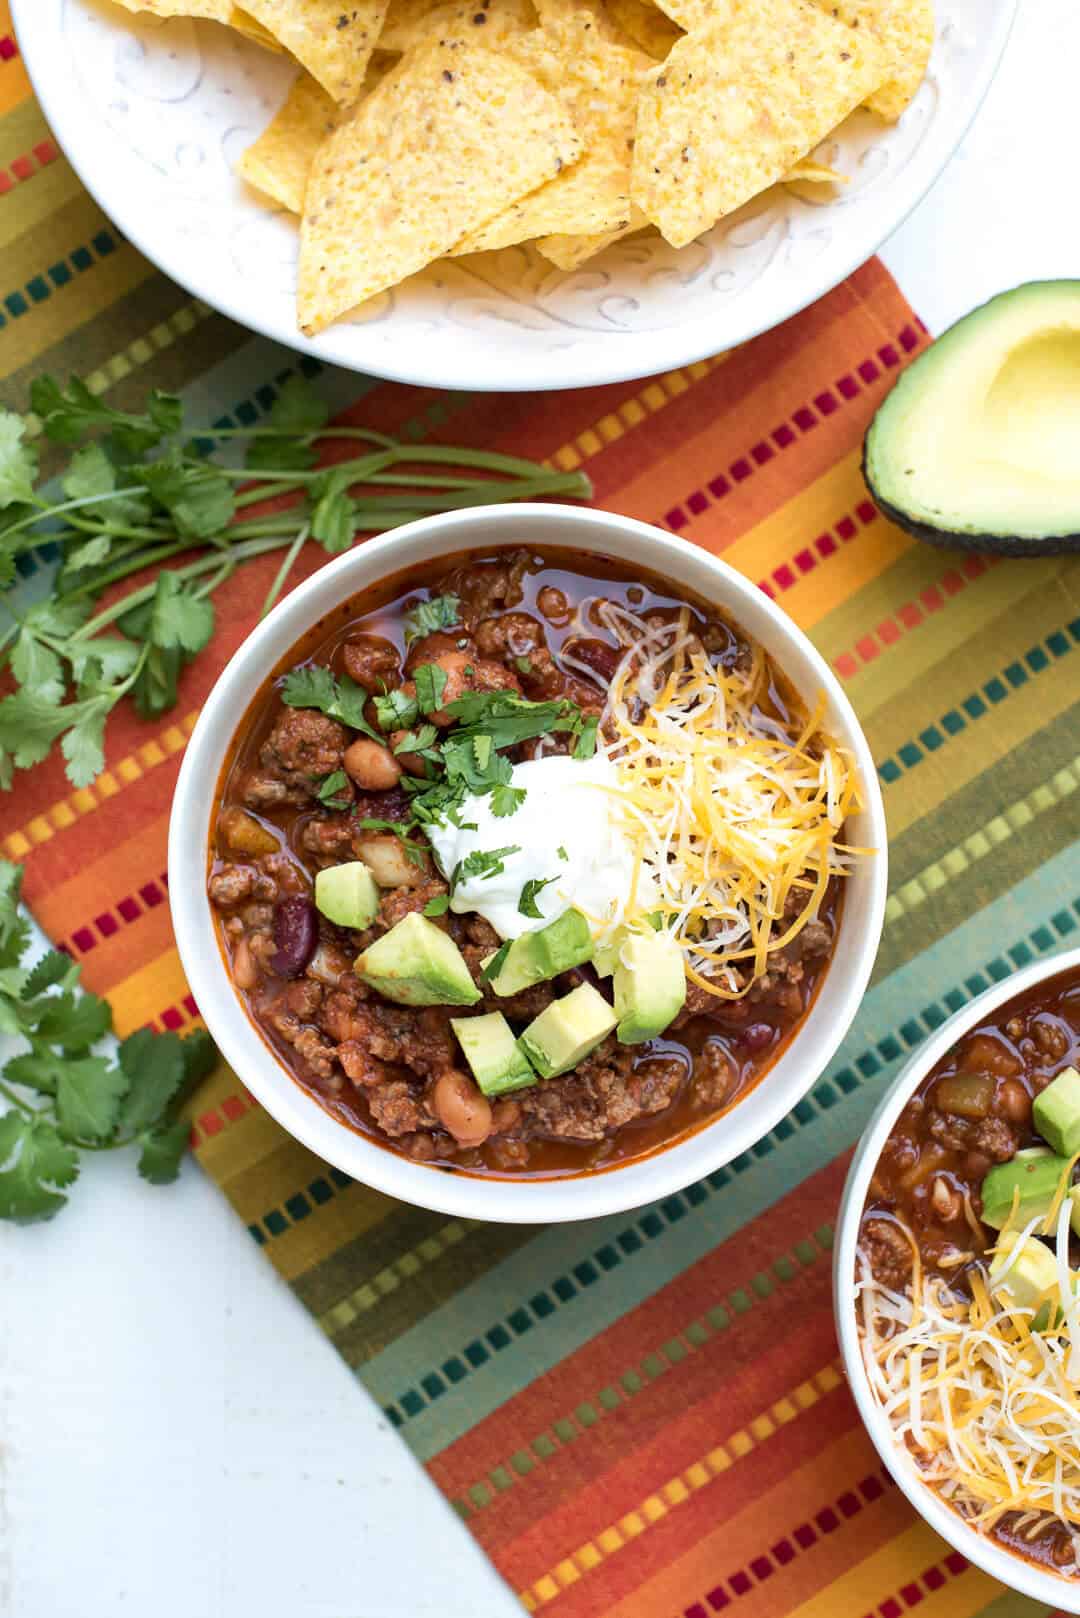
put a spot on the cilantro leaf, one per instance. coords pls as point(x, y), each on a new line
point(396, 710)
point(29, 725)
point(439, 612)
point(331, 786)
point(53, 968)
point(197, 496)
point(18, 462)
point(561, 852)
point(91, 473)
point(333, 515)
point(314, 686)
point(153, 1065)
point(297, 410)
point(437, 906)
point(88, 1094)
point(163, 1151)
point(506, 800)
point(420, 741)
point(483, 863)
point(494, 965)
point(34, 664)
point(430, 681)
point(83, 746)
point(585, 745)
point(38, 1166)
point(179, 619)
point(527, 904)
point(72, 1020)
point(509, 719)
point(68, 416)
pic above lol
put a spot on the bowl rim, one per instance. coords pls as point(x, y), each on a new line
point(1012, 1570)
point(684, 344)
point(501, 1199)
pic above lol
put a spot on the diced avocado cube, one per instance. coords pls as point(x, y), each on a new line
point(1032, 1280)
point(1035, 1174)
point(650, 986)
point(417, 964)
point(347, 894)
point(1057, 1113)
point(606, 953)
point(498, 1063)
point(535, 957)
point(1074, 1217)
point(567, 1030)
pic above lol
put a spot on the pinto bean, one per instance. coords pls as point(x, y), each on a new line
point(244, 970)
point(1013, 1102)
point(460, 1106)
point(372, 766)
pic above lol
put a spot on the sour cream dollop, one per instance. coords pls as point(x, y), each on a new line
point(565, 828)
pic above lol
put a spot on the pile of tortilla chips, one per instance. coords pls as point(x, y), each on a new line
point(420, 129)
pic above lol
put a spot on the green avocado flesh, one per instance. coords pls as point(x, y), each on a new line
point(976, 445)
point(347, 894)
point(650, 986)
point(1057, 1113)
point(535, 957)
point(417, 964)
point(1035, 1174)
point(567, 1030)
point(497, 1061)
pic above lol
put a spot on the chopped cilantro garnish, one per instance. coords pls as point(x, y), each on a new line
point(437, 906)
point(315, 687)
point(494, 965)
point(430, 684)
point(506, 800)
point(561, 852)
point(585, 746)
point(331, 788)
point(440, 612)
point(527, 904)
point(396, 710)
point(484, 863)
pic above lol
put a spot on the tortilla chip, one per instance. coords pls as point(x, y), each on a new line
point(452, 137)
point(738, 103)
point(905, 31)
point(816, 173)
point(570, 252)
point(279, 162)
point(214, 10)
point(645, 25)
point(253, 30)
point(481, 22)
point(332, 39)
point(598, 84)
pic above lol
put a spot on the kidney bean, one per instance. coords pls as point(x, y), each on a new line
point(601, 658)
point(296, 934)
point(757, 1036)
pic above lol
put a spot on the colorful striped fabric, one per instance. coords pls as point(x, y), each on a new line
point(641, 1417)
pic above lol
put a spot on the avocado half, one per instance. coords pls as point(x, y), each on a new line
point(977, 447)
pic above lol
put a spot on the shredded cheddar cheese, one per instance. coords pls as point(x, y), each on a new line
point(734, 813)
point(987, 1405)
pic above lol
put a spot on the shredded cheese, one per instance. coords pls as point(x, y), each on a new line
point(988, 1407)
point(734, 813)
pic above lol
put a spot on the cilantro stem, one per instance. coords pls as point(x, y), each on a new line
point(46, 512)
point(285, 569)
point(17, 1101)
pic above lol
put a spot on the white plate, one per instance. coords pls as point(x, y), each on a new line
point(153, 115)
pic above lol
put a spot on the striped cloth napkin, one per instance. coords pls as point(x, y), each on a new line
point(642, 1416)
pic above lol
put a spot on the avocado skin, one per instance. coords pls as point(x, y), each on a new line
point(951, 539)
point(939, 534)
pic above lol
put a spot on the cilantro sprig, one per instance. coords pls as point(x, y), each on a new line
point(527, 905)
point(135, 496)
point(65, 1094)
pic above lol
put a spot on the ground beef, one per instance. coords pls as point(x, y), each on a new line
point(439, 644)
point(395, 804)
point(230, 884)
point(992, 1136)
point(291, 1027)
point(397, 903)
point(512, 634)
point(328, 837)
point(588, 1103)
point(656, 1083)
point(372, 662)
point(482, 588)
point(396, 1109)
point(303, 744)
point(264, 790)
point(888, 1252)
point(367, 1071)
point(714, 1078)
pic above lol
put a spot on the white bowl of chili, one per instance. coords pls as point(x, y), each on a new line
point(596, 539)
point(1036, 992)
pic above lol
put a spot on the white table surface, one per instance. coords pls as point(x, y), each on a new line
point(176, 1438)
